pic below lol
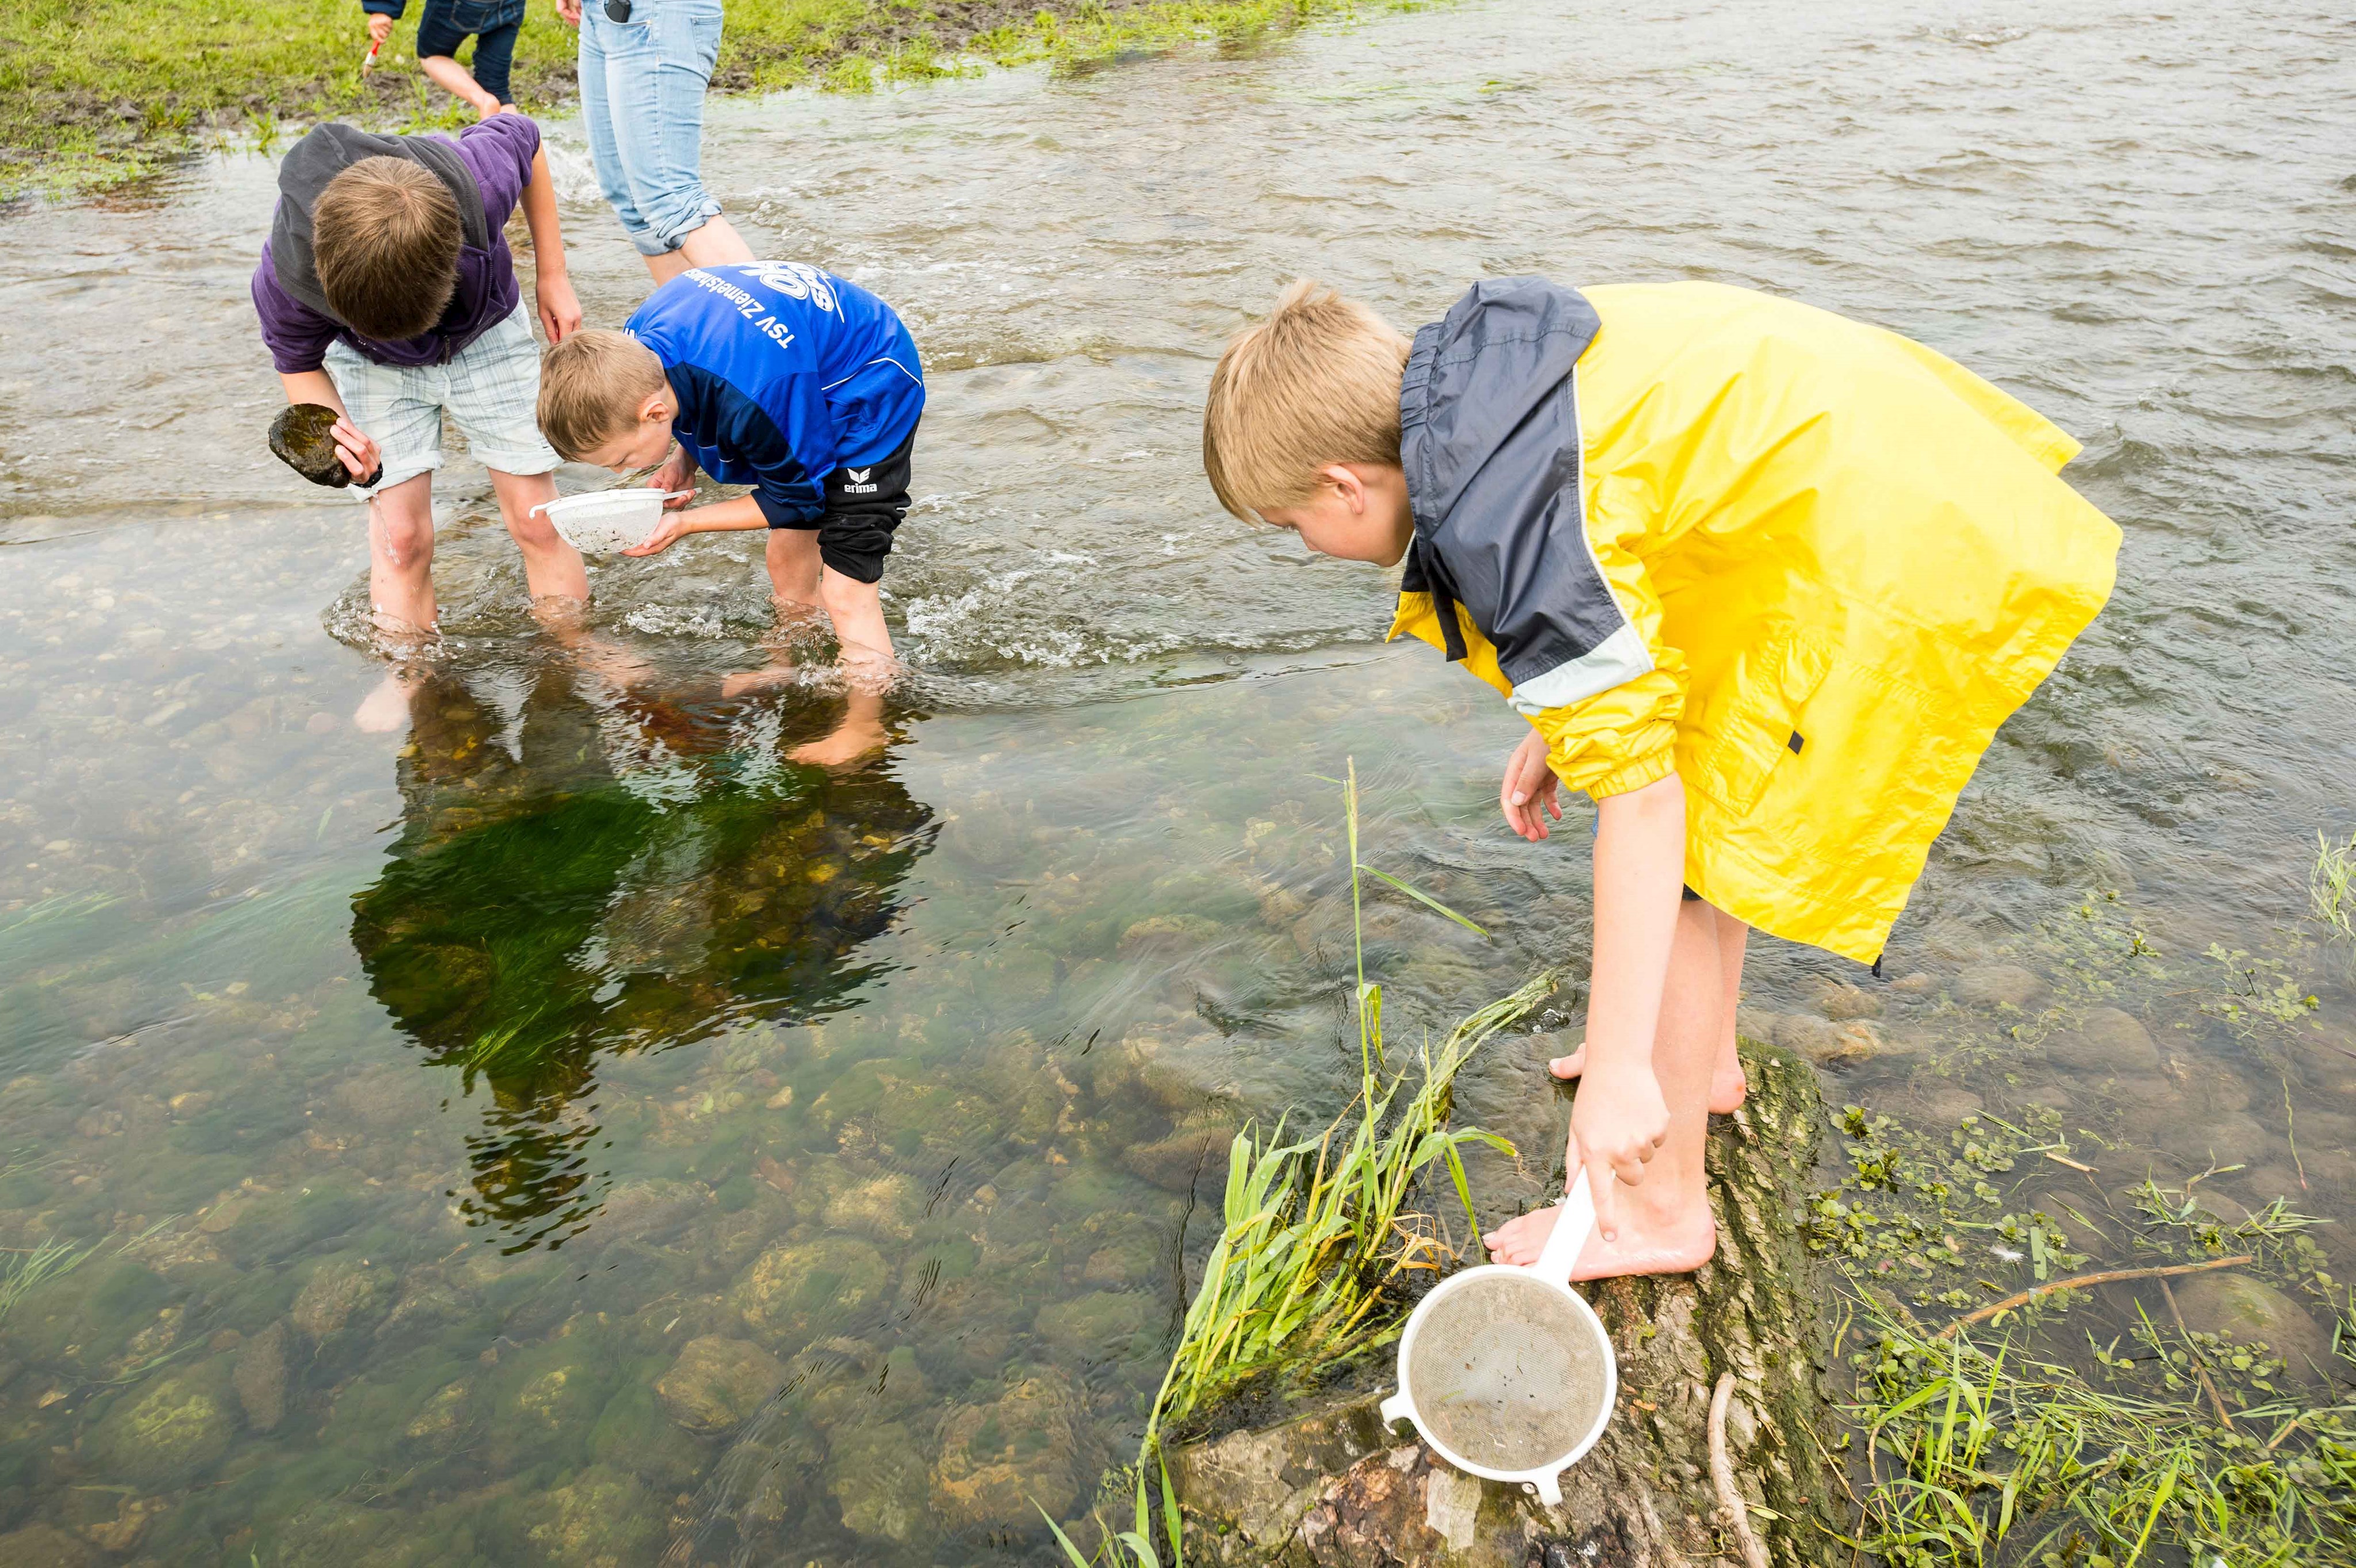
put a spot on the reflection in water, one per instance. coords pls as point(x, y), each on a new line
point(612, 871)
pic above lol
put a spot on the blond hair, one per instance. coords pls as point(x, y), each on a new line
point(590, 389)
point(385, 235)
point(1317, 382)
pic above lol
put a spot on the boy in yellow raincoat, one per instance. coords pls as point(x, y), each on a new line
point(1764, 582)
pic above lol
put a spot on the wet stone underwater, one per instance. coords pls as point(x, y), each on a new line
point(570, 1130)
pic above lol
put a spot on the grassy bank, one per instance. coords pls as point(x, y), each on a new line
point(99, 92)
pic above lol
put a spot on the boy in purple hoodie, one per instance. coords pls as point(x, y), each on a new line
point(387, 292)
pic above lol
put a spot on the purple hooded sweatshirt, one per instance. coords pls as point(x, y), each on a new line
point(496, 154)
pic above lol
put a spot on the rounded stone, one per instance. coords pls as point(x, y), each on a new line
point(797, 1285)
point(877, 1475)
point(2106, 1041)
point(1807, 1033)
point(1944, 1104)
point(44, 1546)
point(167, 1434)
point(2232, 1139)
point(996, 1459)
point(341, 1293)
point(717, 1385)
point(1998, 985)
point(1840, 1000)
point(2247, 1310)
point(1101, 1323)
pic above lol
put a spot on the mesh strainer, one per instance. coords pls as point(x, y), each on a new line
point(1506, 1371)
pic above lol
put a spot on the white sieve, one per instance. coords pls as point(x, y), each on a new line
point(1506, 1371)
point(603, 521)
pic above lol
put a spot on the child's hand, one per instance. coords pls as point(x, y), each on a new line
point(1530, 791)
point(674, 528)
point(1617, 1124)
point(560, 307)
point(676, 475)
point(359, 454)
point(568, 12)
point(379, 27)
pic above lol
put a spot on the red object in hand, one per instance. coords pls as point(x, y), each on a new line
point(369, 63)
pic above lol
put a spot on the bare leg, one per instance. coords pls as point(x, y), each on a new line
point(716, 245)
point(795, 574)
point(1665, 1226)
point(1726, 1084)
point(559, 582)
point(401, 593)
point(400, 557)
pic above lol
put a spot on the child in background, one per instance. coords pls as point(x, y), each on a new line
point(442, 27)
point(778, 376)
point(1762, 581)
point(387, 292)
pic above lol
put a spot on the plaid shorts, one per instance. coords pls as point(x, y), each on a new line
point(490, 390)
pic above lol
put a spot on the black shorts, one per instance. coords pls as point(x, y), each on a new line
point(863, 506)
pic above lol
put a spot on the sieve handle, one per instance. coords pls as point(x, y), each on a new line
point(1574, 1222)
point(1398, 1407)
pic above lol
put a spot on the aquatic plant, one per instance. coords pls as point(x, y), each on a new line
point(23, 1270)
point(1318, 1233)
point(1978, 1447)
point(2332, 890)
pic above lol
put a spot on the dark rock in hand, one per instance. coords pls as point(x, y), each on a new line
point(303, 436)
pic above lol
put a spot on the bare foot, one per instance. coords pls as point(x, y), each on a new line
point(1674, 1242)
point(386, 709)
point(851, 741)
point(1726, 1084)
point(747, 681)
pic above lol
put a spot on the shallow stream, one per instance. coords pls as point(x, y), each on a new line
point(476, 1125)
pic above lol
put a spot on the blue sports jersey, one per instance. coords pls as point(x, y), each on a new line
point(783, 374)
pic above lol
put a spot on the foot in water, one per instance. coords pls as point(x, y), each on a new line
point(386, 709)
point(1673, 1241)
point(1726, 1084)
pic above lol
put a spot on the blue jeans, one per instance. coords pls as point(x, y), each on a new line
point(642, 84)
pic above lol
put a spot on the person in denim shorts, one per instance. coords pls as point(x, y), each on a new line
point(444, 24)
point(644, 65)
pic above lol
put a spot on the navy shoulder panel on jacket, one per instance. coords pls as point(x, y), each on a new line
point(1490, 442)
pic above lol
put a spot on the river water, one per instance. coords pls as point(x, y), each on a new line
point(476, 1126)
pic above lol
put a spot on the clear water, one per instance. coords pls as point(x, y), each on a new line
point(518, 1100)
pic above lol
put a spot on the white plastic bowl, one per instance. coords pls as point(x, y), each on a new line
point(603, 521)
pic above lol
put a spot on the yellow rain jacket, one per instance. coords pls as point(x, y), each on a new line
point(1804, 562)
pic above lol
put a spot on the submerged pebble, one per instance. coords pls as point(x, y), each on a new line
point(2244, 1309)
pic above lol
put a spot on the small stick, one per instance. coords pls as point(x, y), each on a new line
point(2109, 1276)
point(2288, 1427)
point(2065, 1160)
point(2199, 1362)
point(1721, 1477)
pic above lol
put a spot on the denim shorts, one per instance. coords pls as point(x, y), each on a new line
point(490, 389)
point(642, 85)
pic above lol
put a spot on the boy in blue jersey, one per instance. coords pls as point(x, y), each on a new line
point(771, 374)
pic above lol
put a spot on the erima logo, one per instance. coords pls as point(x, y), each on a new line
point(859, 485)
point(858, 474)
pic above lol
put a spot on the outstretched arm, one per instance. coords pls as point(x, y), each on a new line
point(1621, 1118)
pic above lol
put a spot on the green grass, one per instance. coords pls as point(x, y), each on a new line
point(98, 91)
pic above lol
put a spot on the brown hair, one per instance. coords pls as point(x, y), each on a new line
point(590, 388)
point(385, 236)
point(1317, 382)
